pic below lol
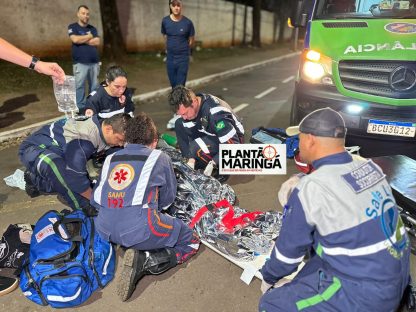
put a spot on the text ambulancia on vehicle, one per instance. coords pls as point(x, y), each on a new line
point(359, 58)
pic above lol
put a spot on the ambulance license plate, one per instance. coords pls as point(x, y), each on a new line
point(404, 129)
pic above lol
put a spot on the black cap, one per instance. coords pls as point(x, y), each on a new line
point(324, 122)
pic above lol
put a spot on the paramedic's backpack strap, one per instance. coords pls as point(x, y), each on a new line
point(74, 235)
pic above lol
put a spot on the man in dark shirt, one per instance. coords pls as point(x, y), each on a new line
point(85, 58)
point(179, 33)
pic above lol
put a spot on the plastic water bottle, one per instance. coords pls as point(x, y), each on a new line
point(65, 95)
point(170, 139)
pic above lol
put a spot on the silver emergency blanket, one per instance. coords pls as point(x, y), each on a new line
point(195, 190)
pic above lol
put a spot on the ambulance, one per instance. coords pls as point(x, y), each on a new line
point(359, 58)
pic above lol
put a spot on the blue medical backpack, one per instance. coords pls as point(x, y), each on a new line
point(67, 261)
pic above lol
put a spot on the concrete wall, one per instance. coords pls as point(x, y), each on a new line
point(40, 27)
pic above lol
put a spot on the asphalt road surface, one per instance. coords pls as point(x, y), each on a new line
point(207, 282)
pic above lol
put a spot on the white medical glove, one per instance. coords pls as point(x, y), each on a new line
point(265, 286)
point(287, 188)
point(191, 163)
point(209, 168)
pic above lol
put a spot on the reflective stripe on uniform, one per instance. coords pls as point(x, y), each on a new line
point(144, 177)
point(362, 251)
point(110, 114)
point(104, 173)
point(325, 296)
point(228, 136)
point(58, 175)
point(285, 259)
point(218, 109)
point(202, 145)
point(51, 134)
point(206, 132)
point(188, 124)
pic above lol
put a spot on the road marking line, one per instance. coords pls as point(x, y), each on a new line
point(259, 96)
point(288, 79)
point(240, 107)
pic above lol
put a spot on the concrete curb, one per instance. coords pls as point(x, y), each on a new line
point(15, 133)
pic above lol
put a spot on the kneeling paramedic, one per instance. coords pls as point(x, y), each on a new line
point(206, 122)
point(136, 185)
point(56, 155)
point(343, 211)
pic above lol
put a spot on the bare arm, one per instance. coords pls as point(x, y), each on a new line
point(14, 55)
point(80, 39)
point(94, 41)
point(191, 41)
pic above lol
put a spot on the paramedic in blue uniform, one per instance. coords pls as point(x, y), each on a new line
point(205, 122)
point(85, 59)
point(345, 213)
point(112, 96)
point(55, 156)
point(136, 185)
point(179, 32)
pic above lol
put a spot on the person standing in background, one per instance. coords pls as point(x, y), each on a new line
point(85, 57)
point(179, 32)
point(10, 53)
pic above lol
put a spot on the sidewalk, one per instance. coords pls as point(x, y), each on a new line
point(23, 111)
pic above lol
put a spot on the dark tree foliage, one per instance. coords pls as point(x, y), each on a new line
point(113, 43)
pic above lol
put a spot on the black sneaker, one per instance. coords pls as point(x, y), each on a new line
point(133, 271)
point(30, 188)
point(7, 285)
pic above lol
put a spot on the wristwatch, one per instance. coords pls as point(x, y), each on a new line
point(33, 63)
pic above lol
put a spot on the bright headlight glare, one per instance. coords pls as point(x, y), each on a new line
point(313, 71)
point(354, 109)
point(317, 68)
point(312, 55)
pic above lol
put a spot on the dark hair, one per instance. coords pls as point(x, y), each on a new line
point(141, 130)
point(180, 95)
point(118, 122)
point(113, 72)
point(83, 6)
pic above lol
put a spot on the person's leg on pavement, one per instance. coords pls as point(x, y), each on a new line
point(170, 243)
point(93, 72)
point(172, 69)
point(182, 67)
point(80, 73)
point(49, 175)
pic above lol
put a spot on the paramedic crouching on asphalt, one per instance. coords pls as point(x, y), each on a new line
point(346, 213)
point(136, 185)
point(206, 122)
point(56, 155)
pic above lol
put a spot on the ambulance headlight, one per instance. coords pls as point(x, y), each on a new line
point(313, 71)
point(316, 68)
